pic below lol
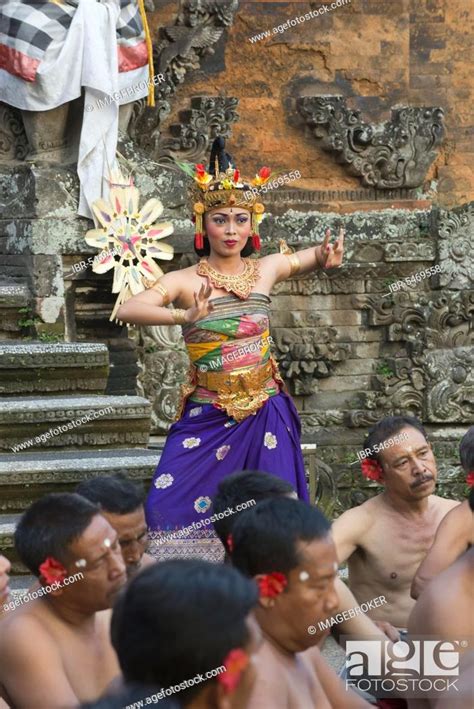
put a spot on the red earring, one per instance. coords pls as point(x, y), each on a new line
point(256, 242)
point(199, 241)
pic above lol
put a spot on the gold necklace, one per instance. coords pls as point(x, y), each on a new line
point(241, 285)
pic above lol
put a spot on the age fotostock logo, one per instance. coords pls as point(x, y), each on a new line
point(415, 667)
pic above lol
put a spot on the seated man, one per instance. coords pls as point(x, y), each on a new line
point(285, 545)
point(385, 539)
point(444, 611)
point(178, 625)
point(121, 502)
point(236, 489)
point(455, 533)
point(55, 649)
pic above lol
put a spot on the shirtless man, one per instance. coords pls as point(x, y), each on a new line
point(385, 539)
point(285, 545)
point(444, 611)
point(240, 487)
point(4, 579)
point(55, 650)
point(121, 503)
point(455, 533)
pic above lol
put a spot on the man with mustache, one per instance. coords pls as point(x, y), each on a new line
point(385, 539)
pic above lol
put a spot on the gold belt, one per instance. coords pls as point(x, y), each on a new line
point(239, 394)
point(235, 382)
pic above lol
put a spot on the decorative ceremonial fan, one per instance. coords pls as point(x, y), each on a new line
point(131, 237)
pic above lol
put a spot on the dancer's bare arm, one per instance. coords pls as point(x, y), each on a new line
point(148, 308)
point(324, 256)
point(348, 531)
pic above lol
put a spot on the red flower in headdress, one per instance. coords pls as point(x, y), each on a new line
point(52, 570)
point(230, 543)
point(236, 175)
point(371, 469)
point(470, 478)
point(264, 173)
point(200, 169)
point(235, 663)
point(272, 585)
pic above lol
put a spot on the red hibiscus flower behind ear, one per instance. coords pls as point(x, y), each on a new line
point(371, 469)
point(52, 570)
point(272, 585)
point(470, 478)
point(235, 663)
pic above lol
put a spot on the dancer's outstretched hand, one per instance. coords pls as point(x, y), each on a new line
point(332, 255)
point(202, 306)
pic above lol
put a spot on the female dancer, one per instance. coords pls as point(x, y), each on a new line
point(235, 413)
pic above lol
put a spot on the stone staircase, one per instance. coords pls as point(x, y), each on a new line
point(43, 388)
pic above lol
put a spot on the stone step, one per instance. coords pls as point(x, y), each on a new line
point(112, 421)
point(26, 477)
point(53, 368)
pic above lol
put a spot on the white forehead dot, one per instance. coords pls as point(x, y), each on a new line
point(107, 543)
point(304, 576)
point(81, 563)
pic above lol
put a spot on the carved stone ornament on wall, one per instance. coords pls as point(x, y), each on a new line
point(390, 154)
point(455, 231)
point(13, 141)
point(164, 363)
point(199, 25)
point(208, 118)
point(304, 357)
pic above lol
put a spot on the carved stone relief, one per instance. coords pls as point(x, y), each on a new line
point(391, 154)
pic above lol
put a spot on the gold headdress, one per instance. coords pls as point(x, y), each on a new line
point(223, 186)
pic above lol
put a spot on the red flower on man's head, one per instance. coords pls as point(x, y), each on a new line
point(52, 570)
point(470, 478)
point(371, 469)
point(235, 663)
point(272, 585)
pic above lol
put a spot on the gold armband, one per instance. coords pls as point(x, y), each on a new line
point(161, 289)
point(295, 264)
point(179, 316)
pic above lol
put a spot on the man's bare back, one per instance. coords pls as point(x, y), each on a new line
point(384, 548)
point(78, 661)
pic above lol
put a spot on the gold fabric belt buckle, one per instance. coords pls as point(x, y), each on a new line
point(235, 382)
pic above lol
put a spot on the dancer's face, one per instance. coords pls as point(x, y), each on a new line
point(228, 229)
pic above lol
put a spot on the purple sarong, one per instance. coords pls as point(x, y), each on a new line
point(202, 448)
